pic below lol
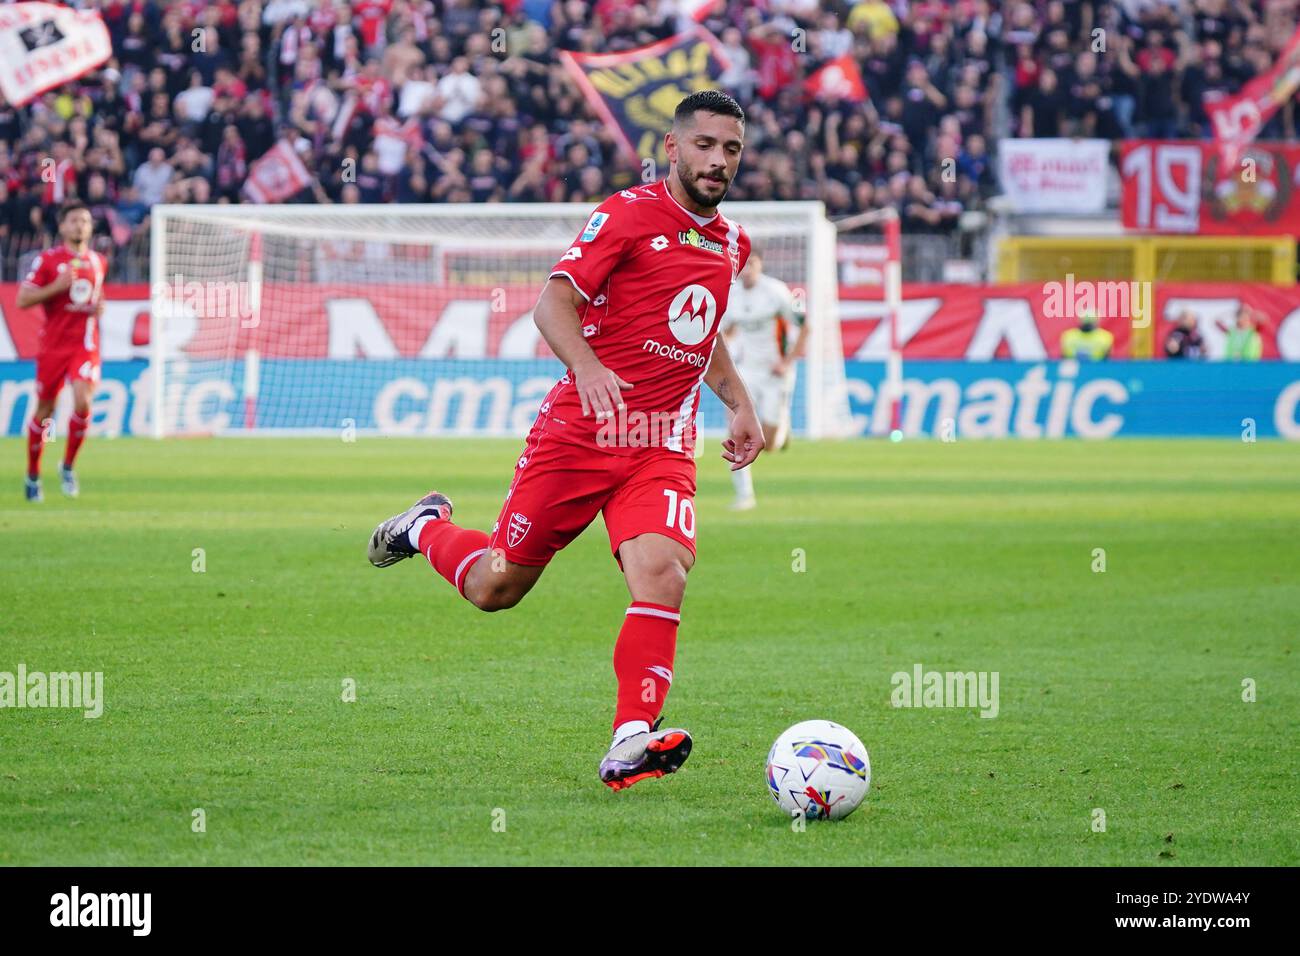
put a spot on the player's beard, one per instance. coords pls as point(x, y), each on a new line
point(689, 177)
point(76, 242)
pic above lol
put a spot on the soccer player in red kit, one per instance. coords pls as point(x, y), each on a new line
point(68, 283)
point(633, 310)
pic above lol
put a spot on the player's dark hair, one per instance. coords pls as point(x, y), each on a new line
point(71, 206)
point(708, 101)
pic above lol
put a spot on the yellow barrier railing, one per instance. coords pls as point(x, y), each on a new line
point(1153, 259)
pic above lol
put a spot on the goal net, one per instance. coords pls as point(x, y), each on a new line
point(412, 320)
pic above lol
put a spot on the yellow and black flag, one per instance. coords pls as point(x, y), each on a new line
point(636, 91)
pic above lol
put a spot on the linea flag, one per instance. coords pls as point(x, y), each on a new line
point(635, 92)
point(1238, 119)
point(839, 80)
point(44, 45)
point(277, 175)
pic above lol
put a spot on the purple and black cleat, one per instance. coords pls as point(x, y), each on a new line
point(642, 756)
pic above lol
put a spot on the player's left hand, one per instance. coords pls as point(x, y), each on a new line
point(745, 441)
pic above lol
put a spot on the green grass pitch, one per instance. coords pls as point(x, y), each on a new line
point(475, 738)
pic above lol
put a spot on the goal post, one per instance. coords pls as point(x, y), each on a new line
point(412, 319)
point(888, 221)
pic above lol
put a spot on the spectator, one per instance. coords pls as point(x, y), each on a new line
point(1044, 108)
point(193, 104)
point(458, 93)
point(1184, 340)
point(130, 209)
point(232, 164)
point(1087, 340)
point(739, 76)
point(151, 179)
point(195, 92)
point(874, 17)
point(1156, 110)
point(1243, 343)
point(417, 93)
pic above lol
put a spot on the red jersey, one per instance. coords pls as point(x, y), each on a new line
point(656, 279)
point(70, 315)
point(373, 15)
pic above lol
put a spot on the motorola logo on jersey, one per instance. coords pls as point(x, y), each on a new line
point(675, 352)
point(692, 314)
point(80, 291)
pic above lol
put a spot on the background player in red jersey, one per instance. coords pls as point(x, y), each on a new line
point(633, 310)
point(68, 282)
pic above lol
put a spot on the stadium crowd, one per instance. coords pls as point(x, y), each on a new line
point(454, 101)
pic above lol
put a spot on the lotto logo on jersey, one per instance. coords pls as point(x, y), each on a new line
point(518, 530)
point(572, 255)
point(692, 314)
point(593, 226)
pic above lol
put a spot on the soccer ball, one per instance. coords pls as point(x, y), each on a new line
point(819, 770)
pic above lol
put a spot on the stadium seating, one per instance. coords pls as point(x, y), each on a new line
point(416, 101)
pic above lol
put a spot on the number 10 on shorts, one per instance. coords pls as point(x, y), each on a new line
point(681, 513)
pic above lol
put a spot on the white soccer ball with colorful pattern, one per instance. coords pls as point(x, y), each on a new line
point(819, 770)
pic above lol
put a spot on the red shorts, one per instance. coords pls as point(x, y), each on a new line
point(559, 487)
point(56, 366)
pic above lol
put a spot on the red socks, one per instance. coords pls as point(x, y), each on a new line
point(451, 550)
point(643, 661)
point(35, 445)
point(647, 642)
point(78, 425)
point(77, 428)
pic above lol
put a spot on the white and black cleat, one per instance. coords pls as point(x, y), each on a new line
point(391, 541)
point(68, 482)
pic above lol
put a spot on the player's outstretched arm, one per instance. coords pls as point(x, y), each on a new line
point(556, 316)
point(744, 443)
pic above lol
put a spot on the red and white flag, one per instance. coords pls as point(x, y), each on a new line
point(276, 176)
point(838, 80)
point(44, 45)
point(393, 140)
point(1238, 119)
point(697, 10)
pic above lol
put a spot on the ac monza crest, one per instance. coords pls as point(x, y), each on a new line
point(518, 529)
